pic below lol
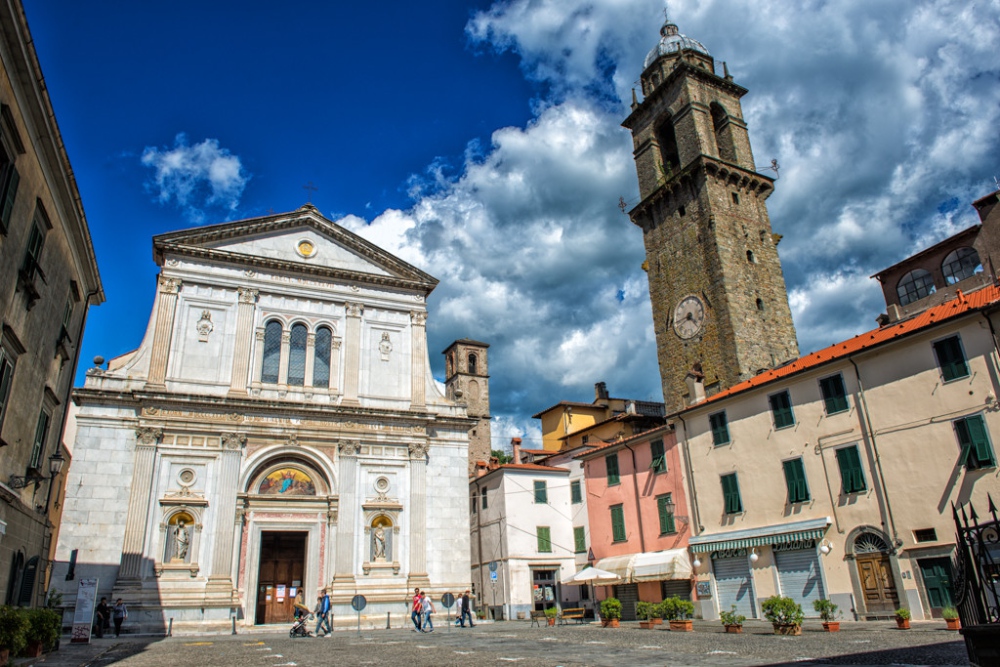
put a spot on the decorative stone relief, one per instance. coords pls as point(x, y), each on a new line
point(233, 440)
point(418, 318)
point(349, 447)
point(205, 326)
point(292, 440)
point(186, 477)
point(418, 450)
point(145, 435)
point(250, 273)
point(354, 309)
point(248, 295)
point(385, 346)
point(169, 285)
point(172, 262)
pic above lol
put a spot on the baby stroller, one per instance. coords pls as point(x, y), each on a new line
point(300, 627)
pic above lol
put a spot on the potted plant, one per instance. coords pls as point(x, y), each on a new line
point(42, 632)
point(903, 618)
point(13, 625)
point(611, 612)
point(732, 621)
point(828, 612)
point(678, 613)
point(950, 616)
point(550, 615)
point(644, 610)
point(657, 614)
point(785, 615)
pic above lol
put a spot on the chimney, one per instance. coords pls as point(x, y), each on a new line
point(516, 446)
point(600, 391)
point(695, 381)
point(894, 312)
point(481, 468)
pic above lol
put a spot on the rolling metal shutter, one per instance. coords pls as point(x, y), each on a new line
point(628, 594)
point(680, 588)
point(734, 585)
point(799, 577)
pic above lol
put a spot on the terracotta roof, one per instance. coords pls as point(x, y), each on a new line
point(624, 441)
point(530, 466)
point(960, 305)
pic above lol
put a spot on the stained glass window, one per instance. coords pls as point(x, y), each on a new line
point(297, 356)
point(272, 352)
point(321, 365)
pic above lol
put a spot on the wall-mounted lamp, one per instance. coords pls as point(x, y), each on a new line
point(33, 476)
point(753, 555)
point(696, 562)
point(825, 546)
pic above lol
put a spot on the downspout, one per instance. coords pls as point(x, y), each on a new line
point(479, 539)
point(878, 460)
point(638, 510)
point(690, 476)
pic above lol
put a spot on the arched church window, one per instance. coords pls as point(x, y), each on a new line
point(272, 352)
point(297, 355)
point(177, 545)
point(915, 285)
point(473, 363)
point(960, 264)
point(667, 140)
point(321, 364)
point(723, 132)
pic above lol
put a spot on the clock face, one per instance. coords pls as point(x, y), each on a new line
point(689, 317)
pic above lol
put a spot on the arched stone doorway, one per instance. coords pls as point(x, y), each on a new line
point(875, 581)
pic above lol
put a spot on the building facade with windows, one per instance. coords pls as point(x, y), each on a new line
point(278, 431)
point(835, 475)
point(48, 280)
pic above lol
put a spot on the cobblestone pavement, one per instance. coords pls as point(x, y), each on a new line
point(517, 643)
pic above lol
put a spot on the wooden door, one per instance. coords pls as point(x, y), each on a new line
point(937, 581)
point(279, 579)
point(877, 583)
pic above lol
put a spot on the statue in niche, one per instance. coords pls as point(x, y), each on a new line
point(378, 544)
point(182, 542)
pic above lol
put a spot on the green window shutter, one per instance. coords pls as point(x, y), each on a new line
point(8, 195)
point(795, 479)
point(951, 359)
point(666, 516)
point(852, 477)
point(731, 494)
point(473, 502)
point(659, 463)
point(544, 541)
point(617, 523)
point(579, 540)
point(781, 409)
point(41, 433)
point(6, 376)
point(834, 394)
point(720, 428)
point(576, 491)
point(975, 441)
point(611, 460)
point(541, 493)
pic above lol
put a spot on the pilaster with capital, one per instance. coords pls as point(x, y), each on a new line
point(146, 439)
point(286, 346)
point(418, 333)
point(244, 337)
point(225, 530)
point(166, 308)
point(418, 514)
point(352, 353)
point(343, 576)
point(258, 360)
point(310, 360)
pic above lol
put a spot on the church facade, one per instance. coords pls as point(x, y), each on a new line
point(277, 432)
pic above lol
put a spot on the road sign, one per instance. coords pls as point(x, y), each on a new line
point(493, 566)
point(447, 600)
point(493, 576)
point(358, 602)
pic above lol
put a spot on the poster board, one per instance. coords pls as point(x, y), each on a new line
point(83, 615)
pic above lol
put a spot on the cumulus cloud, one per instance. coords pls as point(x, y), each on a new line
point(196, 177)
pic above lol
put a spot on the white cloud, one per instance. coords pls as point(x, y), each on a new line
point(196, 177)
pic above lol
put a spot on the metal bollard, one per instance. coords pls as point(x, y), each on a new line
point(234, 625)
point(387, 624)
point(170, 628)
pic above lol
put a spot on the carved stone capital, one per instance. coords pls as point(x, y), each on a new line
point(169, 285)
point(260, 336)
point(234, 440)
point(349, 447)
point(286, 337)
point(418, 318)
point(145, 435)
point(248, 295)
point(354, 309)
point(310, 339)
point(418, 450)
point(336, 343)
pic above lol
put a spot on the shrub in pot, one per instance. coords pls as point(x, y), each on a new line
point(784, 613)
point(950, 616)
point(43, 630)
point(611, 612)
point(645, 611)
point(678, 612)
point(903, 618)
point(13, 627)
point(550, 615)
point(828, 612)
point(732, 620)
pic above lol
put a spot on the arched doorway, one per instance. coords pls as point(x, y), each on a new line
point(878, 586)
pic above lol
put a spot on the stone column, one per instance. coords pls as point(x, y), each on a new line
point(310, 360)
point(352, 354)
point(166, 308)
point(138, 505)
point(418, 516)
point(241, 345)
point(334, 366)
point(286, 346)
point(343, 575)
point(220, 583)
point(258, 361)
point(418, 356)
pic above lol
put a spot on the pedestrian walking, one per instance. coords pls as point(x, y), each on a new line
point(323, 614)
point(119, 614)
point(103, 614)
point(428, 608)
point(416, 610)
point(465, 609)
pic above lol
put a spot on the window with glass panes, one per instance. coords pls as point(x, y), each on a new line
point(486, 503)
point(474, 502)
point(951, 358)
point(852, 476)
point(272, 352)
point(975, 442)
point(834, 393)
point(731, 494)
point(720, 428)
point(9, 179)
point(617, 523)
point(665, 510)
point(611, 461)
point(576, 492)
point(6, 379)
point(659, 463)
point(541, 492)
point(579, 540)
point(33, 251)
point(795, 480)
point(41, 435)
point(544, 540)
point(297, 355)
point(321, 359)
point(781, 409)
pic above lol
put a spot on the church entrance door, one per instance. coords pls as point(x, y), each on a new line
point(279, 582)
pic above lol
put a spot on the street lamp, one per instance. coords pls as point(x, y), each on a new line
point(33, 476)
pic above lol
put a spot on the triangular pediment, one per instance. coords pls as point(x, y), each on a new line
point(302, 241)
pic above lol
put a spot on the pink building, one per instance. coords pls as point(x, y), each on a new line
point(638, 514)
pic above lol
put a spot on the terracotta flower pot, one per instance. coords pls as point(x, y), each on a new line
point(609, 622)
point(953, 623)
point(647, 625)
point(551, 621)
point(734, 629)
point(681, 626)
point(902, 623)
point(831, 626)
point(33, 650)
point(657, 621)
point(792, 629)
point(4, 656)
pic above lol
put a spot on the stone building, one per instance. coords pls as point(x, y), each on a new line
point(278, 431)
point(715, 280)
point(467, 380)
point(48, 280)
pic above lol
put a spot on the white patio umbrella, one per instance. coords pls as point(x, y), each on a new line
point(588, 575)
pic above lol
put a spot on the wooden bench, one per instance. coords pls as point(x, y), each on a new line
point(536, 616)
point(574, 614)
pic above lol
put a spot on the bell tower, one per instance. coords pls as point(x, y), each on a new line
point(715, 280)
point(467, 380)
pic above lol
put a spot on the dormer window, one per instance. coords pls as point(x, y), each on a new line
point(915, 285)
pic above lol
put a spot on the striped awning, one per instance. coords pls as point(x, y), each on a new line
point(784, 533)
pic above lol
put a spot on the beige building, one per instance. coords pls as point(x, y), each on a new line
point(48, 280)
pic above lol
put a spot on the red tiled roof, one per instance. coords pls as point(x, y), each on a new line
point(572, 404)
point(960, 305)
point(530, 466)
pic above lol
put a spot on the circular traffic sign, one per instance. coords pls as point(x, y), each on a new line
point(358, 602)
point(493, 566)
point(447, 600)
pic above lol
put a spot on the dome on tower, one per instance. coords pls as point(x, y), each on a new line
point(672, 41)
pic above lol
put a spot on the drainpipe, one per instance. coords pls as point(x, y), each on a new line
point(479, 540)
point(638, 510)
point(878, 460)
point(696, 512)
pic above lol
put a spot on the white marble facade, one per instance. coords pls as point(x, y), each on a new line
point(283, 386)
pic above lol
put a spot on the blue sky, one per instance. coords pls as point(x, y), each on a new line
point(481, 142)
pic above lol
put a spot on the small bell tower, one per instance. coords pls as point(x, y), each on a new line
point(467, 380)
